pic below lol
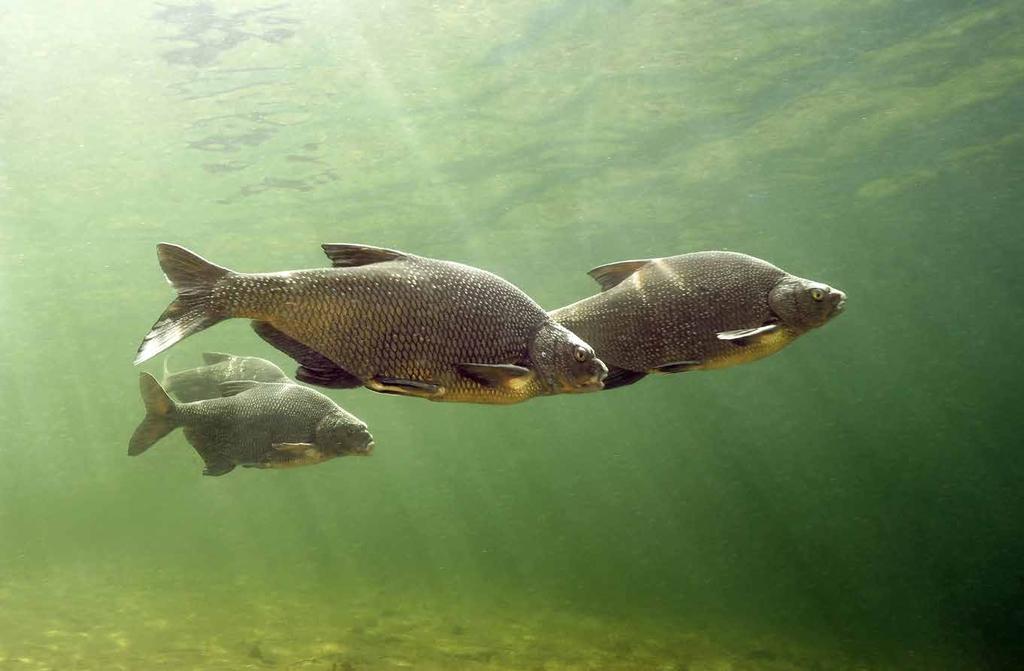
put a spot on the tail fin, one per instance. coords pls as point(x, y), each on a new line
point(194, 309)
point(159, 419)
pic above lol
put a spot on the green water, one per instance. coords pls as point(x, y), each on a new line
point(853, 502)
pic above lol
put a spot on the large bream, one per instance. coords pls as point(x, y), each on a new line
point(393, 322)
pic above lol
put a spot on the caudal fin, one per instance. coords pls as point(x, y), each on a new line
point(195, 308)
point(159, 419)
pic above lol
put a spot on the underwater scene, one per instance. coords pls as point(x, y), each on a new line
point(703, 313)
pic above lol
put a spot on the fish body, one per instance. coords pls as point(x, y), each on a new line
point(696, 311)
point(255, 424)
point(390, 321)
point(202, 383)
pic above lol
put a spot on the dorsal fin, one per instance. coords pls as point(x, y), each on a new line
point(235, 387)
point(611, 274)
point(347, 256)
point(210, 358)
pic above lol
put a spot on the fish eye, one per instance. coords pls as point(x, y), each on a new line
point(580, 353)
point(817, 294)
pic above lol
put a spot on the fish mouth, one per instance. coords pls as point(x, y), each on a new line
point(596, 381)
point(361, 451)
point(593, 382)
point(840, 306)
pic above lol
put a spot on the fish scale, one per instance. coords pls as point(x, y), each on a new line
point(244, 426)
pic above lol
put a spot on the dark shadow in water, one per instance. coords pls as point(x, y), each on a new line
point(231, 143)
point(325, 176)
point(226, 166)
point(256, 95)
point(211, 34)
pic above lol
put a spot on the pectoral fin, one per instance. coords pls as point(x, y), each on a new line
point(290, 455)
point(294, 449)
point(494, 375)
point(678, 366)
point(397, 385)
point(743, 337)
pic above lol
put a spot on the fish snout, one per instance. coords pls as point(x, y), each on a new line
point(365, 443)
point(838, 301)
point(359, 442)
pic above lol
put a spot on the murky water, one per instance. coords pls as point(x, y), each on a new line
point(853, 502)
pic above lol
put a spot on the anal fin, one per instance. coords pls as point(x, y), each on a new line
point(314, 367)
point(218, 467)
point(207, 447)
point(336, 378)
